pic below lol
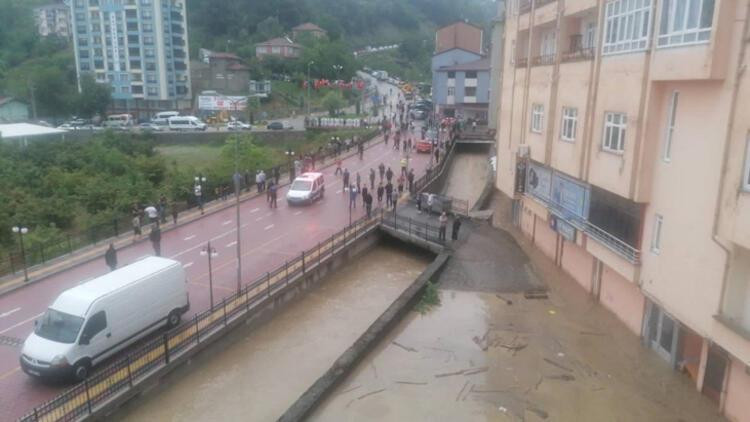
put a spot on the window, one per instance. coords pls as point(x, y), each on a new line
point(147, 27)
point(151, 78)
point(152, 90)
point(84, 54)
point(276, 50)
point(148, 40)
point(137, 89)
point(537, 118)
point(451, 91)
point(614, 132)
point(671, 116)
point(549, 44)
point(746, 171)
point(131, 14)
point(135, 64)
point(150, 66)
point(589, 34)
point(451, 75)
point(685, 22)
point(628, 26)
point(133, 39)
point(470, 91)
point(656, 235)
point(471, 74)
point(83, 42)
point(569, 124)
point(134, 51)
point(133, 26)
point(96, 324)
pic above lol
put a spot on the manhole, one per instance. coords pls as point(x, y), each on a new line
point(10, 341)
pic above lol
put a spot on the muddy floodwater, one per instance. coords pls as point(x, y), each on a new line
point(256, 374)
point(467, 177)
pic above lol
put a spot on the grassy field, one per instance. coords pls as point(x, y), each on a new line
point(199, 157)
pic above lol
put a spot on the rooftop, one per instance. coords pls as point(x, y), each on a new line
point(308, 26)
point(22, 130)
point(279, 42)
point(5, 100)
point(481, 64)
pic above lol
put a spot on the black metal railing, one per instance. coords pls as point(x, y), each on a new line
point(580, 54)
point(543, 60)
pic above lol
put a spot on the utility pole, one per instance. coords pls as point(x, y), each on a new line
point(308, 87)
point(32, 97)
point(237, 206)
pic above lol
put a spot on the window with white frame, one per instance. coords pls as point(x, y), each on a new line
point(614, 132)
point(656, 235)
point(537, 118)
point(451, 91)
point(589, 34)
point(549, 43)
point(685, 22)
point(669, 132)
point(746, 171)
point(569, 124)
point(628, 26)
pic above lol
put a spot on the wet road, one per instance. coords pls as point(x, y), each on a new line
point(269, 237)
point(256, 373)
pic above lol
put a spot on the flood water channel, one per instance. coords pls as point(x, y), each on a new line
point(255, 374)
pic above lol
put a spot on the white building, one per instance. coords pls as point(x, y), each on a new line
point(53, 19)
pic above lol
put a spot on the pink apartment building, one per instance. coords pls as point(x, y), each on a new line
point(623, 154)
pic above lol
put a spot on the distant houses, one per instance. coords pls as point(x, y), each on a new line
point(286, 47)
point(308, 28)
point(13, 110)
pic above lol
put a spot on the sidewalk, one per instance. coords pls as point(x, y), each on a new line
point(89, 253)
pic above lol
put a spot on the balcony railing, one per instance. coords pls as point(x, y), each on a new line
point(579, 55)
point(543, 60)
point(522, 62)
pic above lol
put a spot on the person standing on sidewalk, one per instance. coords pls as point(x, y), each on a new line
point(359, 181)
point(338, 167)
point(173, 207)
point(346, 180)
point(258, 182)
point(136, 227)
point(455, 228)
point(400, 185)
point(276, 175)
point(361, 150)
point(389, 175)
point(381, 169)
point(443, 224)
point(381, 190)
point(410, 177)
point(372, 178)
point(155, 238)
point(163, 208)
point(368, 203)
point(404, 165)
point(388, 194)
point(273, 192)
point(353, 197)
point(110, 257)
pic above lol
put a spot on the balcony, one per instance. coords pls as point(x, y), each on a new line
point(577, 51)
point(522, 62)
point(178, 41)
point(525, 5)
point(543, 60)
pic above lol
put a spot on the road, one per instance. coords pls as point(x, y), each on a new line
point(268, 238)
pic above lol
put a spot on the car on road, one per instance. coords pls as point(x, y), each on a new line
point(180, 123)
point(279, 126)
point(150, 127)
point(90, 322)
point(424, 145)
point(418, 114)
point(237, 125)
point(306, 189)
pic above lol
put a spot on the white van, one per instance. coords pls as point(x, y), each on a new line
point(162, 118)
point(92, 321)
point(186, 123)
point(118, 121)
point(306, 189)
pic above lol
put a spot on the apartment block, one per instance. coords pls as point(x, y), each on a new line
point(624, 155)
point(139, 48)
point(53, 19)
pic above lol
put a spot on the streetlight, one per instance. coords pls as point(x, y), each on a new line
point(198, 190)
point(22, 231)
point(237, 179)
point(290, 155)
point(210, 251)
point(308, 86)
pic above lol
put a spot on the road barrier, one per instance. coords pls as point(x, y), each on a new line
point(146, 360)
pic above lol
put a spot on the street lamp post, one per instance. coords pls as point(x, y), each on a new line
point(237, 179)
point(290, 156)
point(210, 251)
point(198, 190)
point(308, 86)
point(22, 231)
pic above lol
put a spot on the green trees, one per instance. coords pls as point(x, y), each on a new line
point(93, 99)
point(333, 101)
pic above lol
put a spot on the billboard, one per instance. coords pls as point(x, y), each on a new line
point(539, 181)
point(570, 195)
point(221, 103)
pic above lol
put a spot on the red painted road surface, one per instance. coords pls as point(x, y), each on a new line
point(269, 237)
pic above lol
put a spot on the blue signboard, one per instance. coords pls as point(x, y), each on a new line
point(539, 181)
point(561, 226)
point(570, 195)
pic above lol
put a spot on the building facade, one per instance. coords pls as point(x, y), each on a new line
point(225, 73)
point(308, 28)
point(53, 19)
point(280, 47)
point(13, 110)
point(463, 90)
point(139, 48)
point(624, 155)
point(461, 35)
point(496, 64)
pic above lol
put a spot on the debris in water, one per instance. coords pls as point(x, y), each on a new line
point(553, 363)
point(476, 371)
point(351, 389)
point(408, 349)
point(411, 382)
point(507, 301)
point(535, 294)
point(370, 393)
point(462, 390)
point(592, 333)
point(450, 374)
point(563, 377)
point(537, 411)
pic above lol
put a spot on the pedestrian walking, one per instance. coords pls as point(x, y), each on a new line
point(276, 175)
point(381, 169)
point(110, 257)
point(361, 150)
point(247, 180)
point(273, 190)
point(364, 192)
point(430, 202)
point(368, 204)
point(404, 165)
point(153, 214)
point(155, 238)
point(389, 175)
point(400, 185)
point(419, 204)
point(437, 155)
point(372, 178)
point(346, 179)
point(455, 228)
point(136, 227)
point(359, 180)
point(163, 209)
point(338, 167)
point(389, 194)
point(258, 182)
point(410, 178)
point(173, 207)
point(381, 190)
point(443, 224)
point(353, 197)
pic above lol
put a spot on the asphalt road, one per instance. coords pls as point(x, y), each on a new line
point(268, 238)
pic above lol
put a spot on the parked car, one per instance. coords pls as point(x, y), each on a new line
point(237, 125)
point(186, 123)
point(90, 322)
point(279, 126)
point(424, 145)
point(150, 127)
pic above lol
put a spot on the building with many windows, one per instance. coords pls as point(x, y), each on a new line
point(139, 48)
point(53, 19)
point(624, 155)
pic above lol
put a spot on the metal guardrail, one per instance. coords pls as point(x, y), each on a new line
point(68, 243)
point(143, 362)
